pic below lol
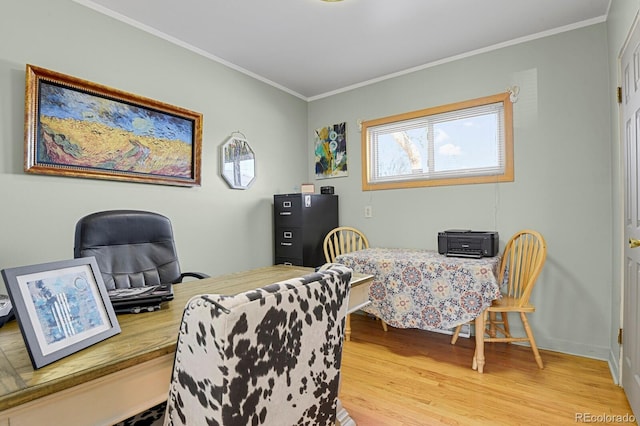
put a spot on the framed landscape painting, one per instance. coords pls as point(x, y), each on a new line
point(81, 129)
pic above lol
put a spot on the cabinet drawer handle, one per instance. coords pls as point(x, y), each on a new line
point(285, 213)
point(288, 263)
point(286, 244)
point(287, 234)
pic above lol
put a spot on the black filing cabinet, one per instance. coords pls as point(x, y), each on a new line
point(301, 222)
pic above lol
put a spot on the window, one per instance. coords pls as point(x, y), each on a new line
point(461, 143)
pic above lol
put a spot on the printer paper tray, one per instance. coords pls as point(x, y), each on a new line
point(477, 255)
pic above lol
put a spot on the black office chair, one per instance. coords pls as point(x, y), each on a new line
point(133, 248)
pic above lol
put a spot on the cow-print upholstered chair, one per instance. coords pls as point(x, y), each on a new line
point(269, 356)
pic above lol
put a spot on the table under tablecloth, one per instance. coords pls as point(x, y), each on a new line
point(414, 288)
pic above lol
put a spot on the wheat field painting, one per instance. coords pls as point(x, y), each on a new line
point(84, 130)
point(111, 136)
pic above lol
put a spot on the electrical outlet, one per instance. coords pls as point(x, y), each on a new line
point(368, 211)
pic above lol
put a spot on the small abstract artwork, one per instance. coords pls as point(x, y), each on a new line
point(61, 307)
point(331, 151)
point(66, 307)
point(78, 128)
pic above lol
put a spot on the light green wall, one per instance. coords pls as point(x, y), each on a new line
point(562, 182)
point(218, 230)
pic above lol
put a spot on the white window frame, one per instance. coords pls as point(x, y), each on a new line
point(427, 117)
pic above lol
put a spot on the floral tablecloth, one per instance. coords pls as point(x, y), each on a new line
point(423, 289)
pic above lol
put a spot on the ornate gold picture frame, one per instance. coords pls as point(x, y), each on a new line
point(81, 129)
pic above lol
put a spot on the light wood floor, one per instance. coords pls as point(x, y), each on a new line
point(414, 377)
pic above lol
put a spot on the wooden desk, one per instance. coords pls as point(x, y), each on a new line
point(124, 374)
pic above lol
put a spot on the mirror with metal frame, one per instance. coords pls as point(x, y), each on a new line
point(238, 162)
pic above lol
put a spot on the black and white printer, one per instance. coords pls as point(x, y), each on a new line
point(467, 243)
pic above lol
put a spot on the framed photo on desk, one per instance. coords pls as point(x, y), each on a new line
point(61, 307)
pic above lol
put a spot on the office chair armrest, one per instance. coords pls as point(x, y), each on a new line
point(198, 275)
